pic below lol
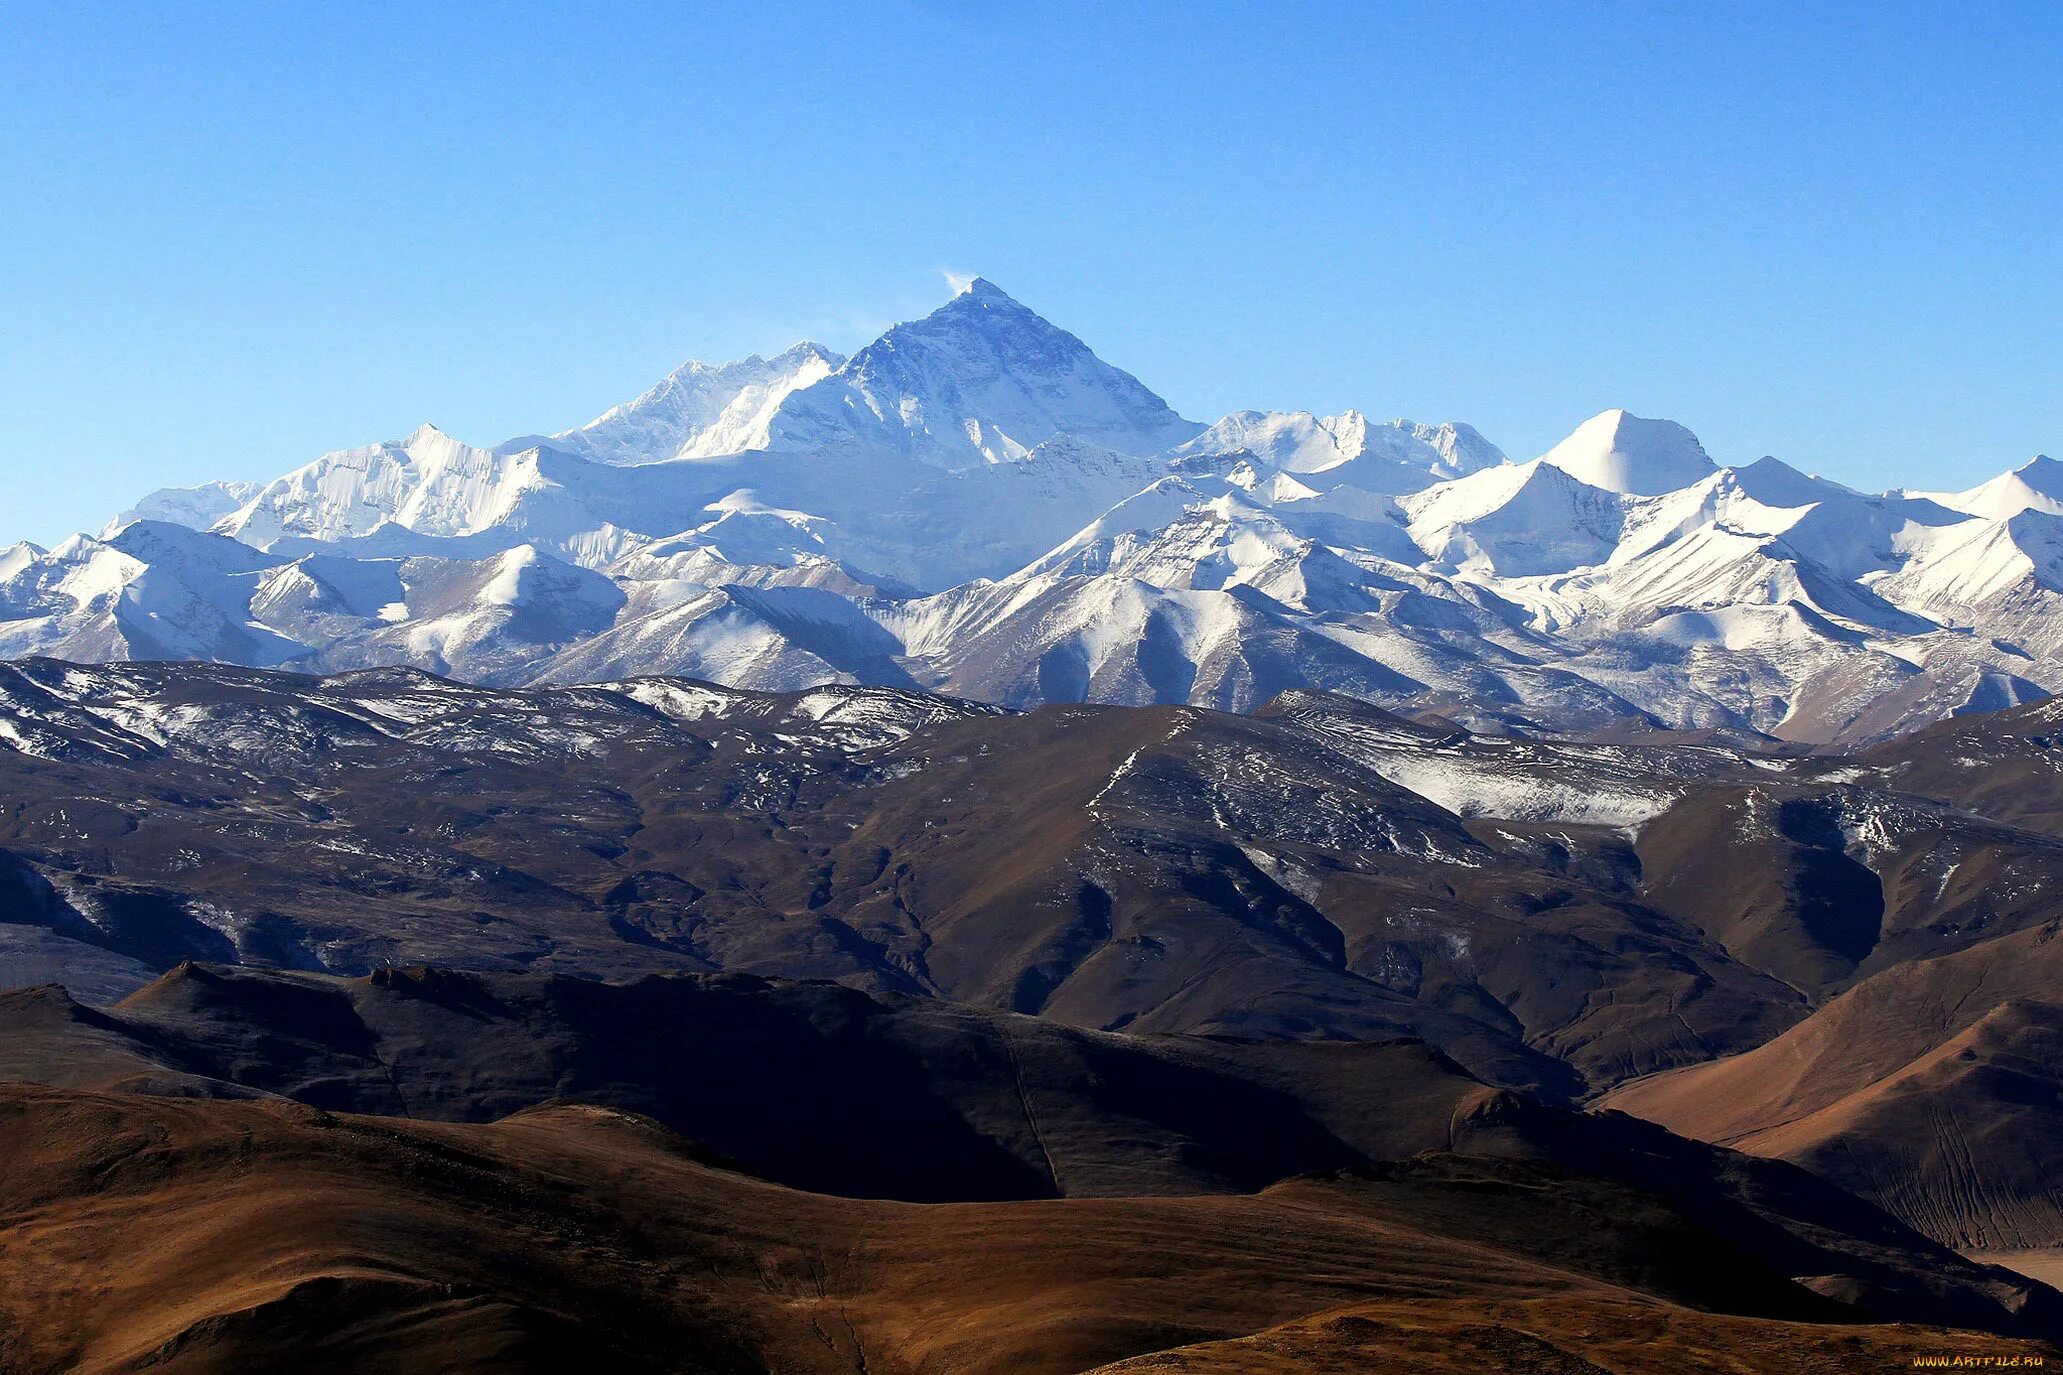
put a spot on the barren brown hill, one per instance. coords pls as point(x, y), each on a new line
point(1931, 1089)
point(812, 1085)
point(2003, 764)
point(1321, 870)
point(1560, 1336)
point(1821, 886)
point(826, 1088)
point(202, 1236)
point(1162, 869)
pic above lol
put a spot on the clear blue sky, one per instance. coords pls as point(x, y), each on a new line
point(235, 236)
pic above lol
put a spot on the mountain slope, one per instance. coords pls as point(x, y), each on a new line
point(1931, 1089)
point(938, 1101)
point(699, 410)
point(1349, 450)
point(2036, 485)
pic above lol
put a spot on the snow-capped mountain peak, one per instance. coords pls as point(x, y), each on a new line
point(1622, 452)
point(982, 289)
point(425, 440)
point(1774, 482)
point(17, 557)
point(2036, 485)
point(1293, 441)
point(982, 379)
point(429, 482)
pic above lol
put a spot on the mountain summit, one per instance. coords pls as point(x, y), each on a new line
point(982, 379)
point(1622, 452)
point(2036, 485)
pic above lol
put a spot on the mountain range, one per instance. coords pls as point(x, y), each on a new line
point(976, 504)
point(931, 860)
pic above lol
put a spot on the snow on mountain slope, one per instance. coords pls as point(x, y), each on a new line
point(1335, 450)
point(1399, 452)
point(491, 620)
point(1294, 441)
point(1969, 565)
point(1516, 521)
point(1861, 537)
point(1774, 482)
point(1862, 699)
point(700, 409)
point(774, 639)
point(1193, 591)
point(936, 529)
point(1716, 568)
point(151, 590)
point(976, 502)
point(1202, 532)
point(154, 590)
point(197, 508)
point(319, 599)
point(1624, 453)
point(1068, 638)
point(2003, 578)
point(979, 380)
point(17, 558)
point(1558, 782)
point(2036, 485)
point(428, 483)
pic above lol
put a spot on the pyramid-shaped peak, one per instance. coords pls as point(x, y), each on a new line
point(982, 379)
point(2040, 474)
point(1623, 452)
point(981, 289)
point(1774, 482)
point(978, 311)
point(426, 444)
point(2036, 485)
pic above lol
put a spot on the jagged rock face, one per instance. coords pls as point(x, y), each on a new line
point(977, 503)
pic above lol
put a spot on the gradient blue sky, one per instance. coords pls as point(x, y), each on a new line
point(235, 236)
